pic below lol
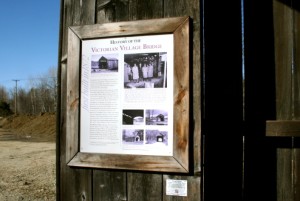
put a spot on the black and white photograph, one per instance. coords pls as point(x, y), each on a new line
point(156, 117)
point(105, 63)
point(133, 136)
point(145, 70)
point(156, 137)
point(133, 117)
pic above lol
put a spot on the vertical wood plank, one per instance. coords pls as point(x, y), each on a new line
point(193, 186)
point(285, 60)
point(63, 180)
point(72, 96)
point(109, 186)
point(88, 10)
point(196, 97)
point(141, 9)
point(297, 174)
point(297, 61)
point(60, 112)
point(62, 129)
point(75, 184)
point(112, 11)
point(182, 96)
point(181, 8)
point(146, 187)
point(283, 37)
point(296, 85)
point(284, 175)
point(192, 9)
point(83, 12)
point(105, 12)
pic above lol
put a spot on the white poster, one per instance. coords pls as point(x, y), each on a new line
point(126, 104)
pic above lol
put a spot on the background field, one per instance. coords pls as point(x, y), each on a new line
point(27, 154)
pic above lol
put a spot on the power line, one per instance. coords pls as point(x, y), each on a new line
point(5, 83)
point(16, 97)
point(35, 78)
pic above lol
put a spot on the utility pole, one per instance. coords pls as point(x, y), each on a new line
point(16, 97)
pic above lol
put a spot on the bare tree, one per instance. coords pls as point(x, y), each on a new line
point(39, 96)
point(4, 95)
point(23, 105)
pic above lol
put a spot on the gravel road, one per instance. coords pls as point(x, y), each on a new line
point(27, 168)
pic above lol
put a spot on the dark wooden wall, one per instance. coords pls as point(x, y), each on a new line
point(222, 100)
point(287, 59)
point(271, 111)
point(103, 185)
point(259, 100)
point(249, 75)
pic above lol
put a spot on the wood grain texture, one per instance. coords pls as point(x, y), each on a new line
point(112, 11)
point(196, 99)
point(297, 97)
point(286, 27)
point(109, 185)
point(284, 128)
point(182, 94)
point(297, 64)
point(283, 35)
point(296, 165)
point(138, 27)
point(180, 8)
point(127, 162)
point(285, 175)
point(146, 187)
point(73, 95)
point(74, 184)
point(191, 8)
point(140, 9)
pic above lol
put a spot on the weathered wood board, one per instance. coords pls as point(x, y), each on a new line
point(286, 29)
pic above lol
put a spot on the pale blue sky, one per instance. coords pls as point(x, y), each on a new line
point(28, 39)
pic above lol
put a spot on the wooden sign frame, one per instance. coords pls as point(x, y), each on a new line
point(179, 162)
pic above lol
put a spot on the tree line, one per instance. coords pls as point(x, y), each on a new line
point(39, 96)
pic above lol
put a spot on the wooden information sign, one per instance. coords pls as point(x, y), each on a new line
point(128, 101)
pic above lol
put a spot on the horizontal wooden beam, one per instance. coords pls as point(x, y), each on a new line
point(127, 162)
point(132, 28)
point(283, 128)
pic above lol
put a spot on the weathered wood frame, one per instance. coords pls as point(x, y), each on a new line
point(179, 162)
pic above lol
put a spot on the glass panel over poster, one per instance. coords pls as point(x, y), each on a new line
point(127, 88)
point(128, 99)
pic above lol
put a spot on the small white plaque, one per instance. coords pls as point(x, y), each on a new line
point(176, 187)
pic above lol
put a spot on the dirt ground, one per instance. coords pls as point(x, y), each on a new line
point(27, 155)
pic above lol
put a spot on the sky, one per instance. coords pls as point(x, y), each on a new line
point(29, 38)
